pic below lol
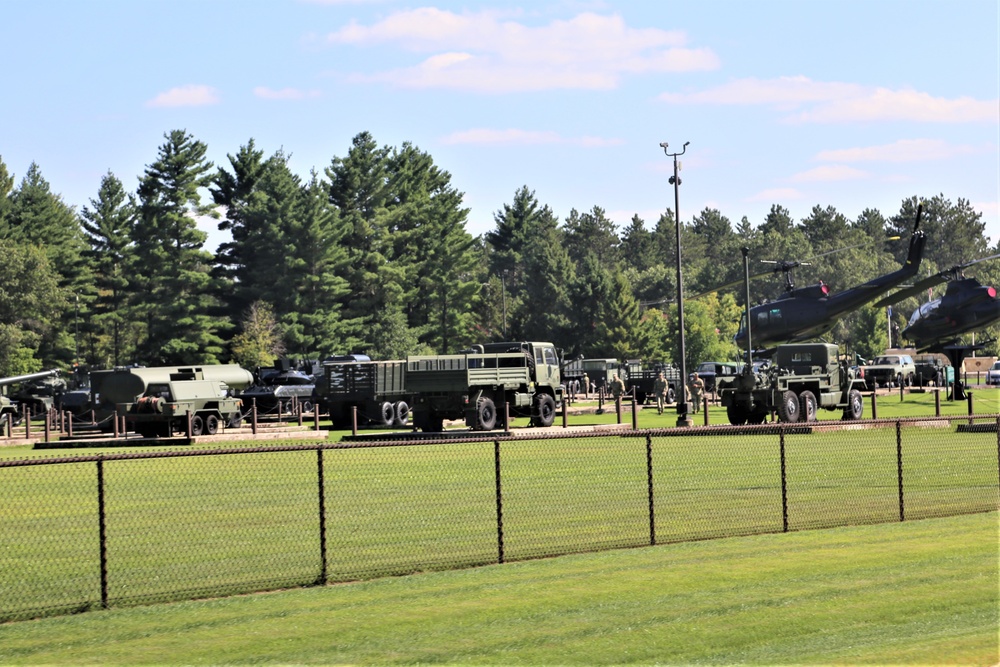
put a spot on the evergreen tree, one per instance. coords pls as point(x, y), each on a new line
point(637, 247)
point(544, 311)
point(590, 291)
point(173, 270)
point(621, 330)
point(6, 188)
point(108, 225)
point(30, 299)
point(592, 232)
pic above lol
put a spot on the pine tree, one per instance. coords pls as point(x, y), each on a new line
point(108, 225)
point(173, 271)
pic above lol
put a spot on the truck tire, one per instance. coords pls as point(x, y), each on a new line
point(545, 411)
point(235, 420)
point(387, 414)
point(807, 406)
point(211, 424)
point(788, 409)
point(402, 413)
point(855, 405)
point(197, 425)
point(737, 413)
point(757, 416)
point(640, 397)
point(671, 395)
point(486, 414)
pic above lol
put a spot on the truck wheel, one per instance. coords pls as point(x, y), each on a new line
point(807, 405)
point(306, 407)
point(402, 412)
point(899, 380)
point(757, 416)
point(234, 420)
point(388, 414)
point(486, 414)
point(197, 425)
point(737, 414)
point(545, 411)
point(855, 405)
point(671, 395)
point(788, 409)
point(640, 398)
point(211, 425)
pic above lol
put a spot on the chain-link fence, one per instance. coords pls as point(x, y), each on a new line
point(124, 528)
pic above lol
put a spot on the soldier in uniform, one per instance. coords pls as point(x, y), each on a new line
point(586, 386)
point(617, 388)
point(697, 391)
point(660, 390)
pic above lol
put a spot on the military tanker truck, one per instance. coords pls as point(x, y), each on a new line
point(475, 385)
point(156, 401)
point(10, 409)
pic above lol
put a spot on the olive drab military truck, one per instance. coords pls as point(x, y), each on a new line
point(377, 389)
point(641, 378)
point(802, 379)
point(156, 401)
point(476, 384)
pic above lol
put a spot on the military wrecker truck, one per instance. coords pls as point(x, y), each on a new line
point(156, 401)
point(476, 384)
point(801, 379)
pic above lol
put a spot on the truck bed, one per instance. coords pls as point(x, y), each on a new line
point(458, 372)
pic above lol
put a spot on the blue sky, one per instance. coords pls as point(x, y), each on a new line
point(792, 102)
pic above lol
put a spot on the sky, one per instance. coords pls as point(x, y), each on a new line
point(842, 103)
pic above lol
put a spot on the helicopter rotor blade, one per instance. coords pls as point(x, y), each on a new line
point(930, 281)
point(920, 210)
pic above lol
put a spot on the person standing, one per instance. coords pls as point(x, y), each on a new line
point(617, 388)
point(586, 386)
point(697, 391)
point(660, 390)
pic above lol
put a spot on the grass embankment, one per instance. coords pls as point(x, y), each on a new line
point(921, 592)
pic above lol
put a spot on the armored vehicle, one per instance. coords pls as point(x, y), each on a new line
point(281, 388)
point(803, 378)
point(157, 401)
point(11, 407)
point(376, 388)
point(40, 394)
point(475, 385)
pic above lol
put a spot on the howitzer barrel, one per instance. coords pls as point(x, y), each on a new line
point(29, 377)
point(128, 384)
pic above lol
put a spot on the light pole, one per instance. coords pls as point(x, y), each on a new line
point(683, 406)
point(503, 292)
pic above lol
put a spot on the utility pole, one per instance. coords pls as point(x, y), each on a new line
point(683, 406)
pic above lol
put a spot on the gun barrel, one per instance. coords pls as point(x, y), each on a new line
point(29, 377)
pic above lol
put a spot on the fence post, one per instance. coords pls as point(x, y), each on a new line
point(874, 403)
point(649, 484)
point(506, 415)
point(316, 417)
point(618, 409)
point(354, 420)
point(253, 415)
point(968, 396)
point(635, 412)
point(47, 429)
point(784, 480)
point(705, 400)
point(564, 414)
point(27, 423)
point(322, 516)
point(901, 391)
point(937, 401)
point(115, 418)
point(496, 463)
point(899, 466)
point(102, 532)
point(69, 424)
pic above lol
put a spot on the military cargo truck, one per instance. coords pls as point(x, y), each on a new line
point(641, 379)
point(376, 388)
point(156, 401)
point(802, 378)
point(475, 385)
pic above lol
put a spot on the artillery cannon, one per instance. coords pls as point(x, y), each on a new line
point(38, 403)
point(157, 401)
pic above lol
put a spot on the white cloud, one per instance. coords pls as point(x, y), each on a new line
point(808, 101)
point(828, 173)
point(904, 150)
point(488, 51)
point(266, 93)
point(511, 136)
point(191, 95)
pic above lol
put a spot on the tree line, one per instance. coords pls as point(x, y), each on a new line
point(372, 255)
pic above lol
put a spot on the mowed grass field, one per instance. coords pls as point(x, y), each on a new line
point(229, 523)
point(918, 593)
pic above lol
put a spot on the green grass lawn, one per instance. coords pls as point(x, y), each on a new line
point(919, 592)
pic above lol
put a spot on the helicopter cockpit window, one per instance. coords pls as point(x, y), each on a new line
point(924, 310)
point(762, 318)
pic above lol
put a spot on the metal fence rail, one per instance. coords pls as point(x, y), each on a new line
point(86, 532)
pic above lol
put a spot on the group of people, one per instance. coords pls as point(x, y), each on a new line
point(693, 392)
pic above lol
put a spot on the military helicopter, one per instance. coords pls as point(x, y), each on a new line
point(803, 313)
point(967, 305)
